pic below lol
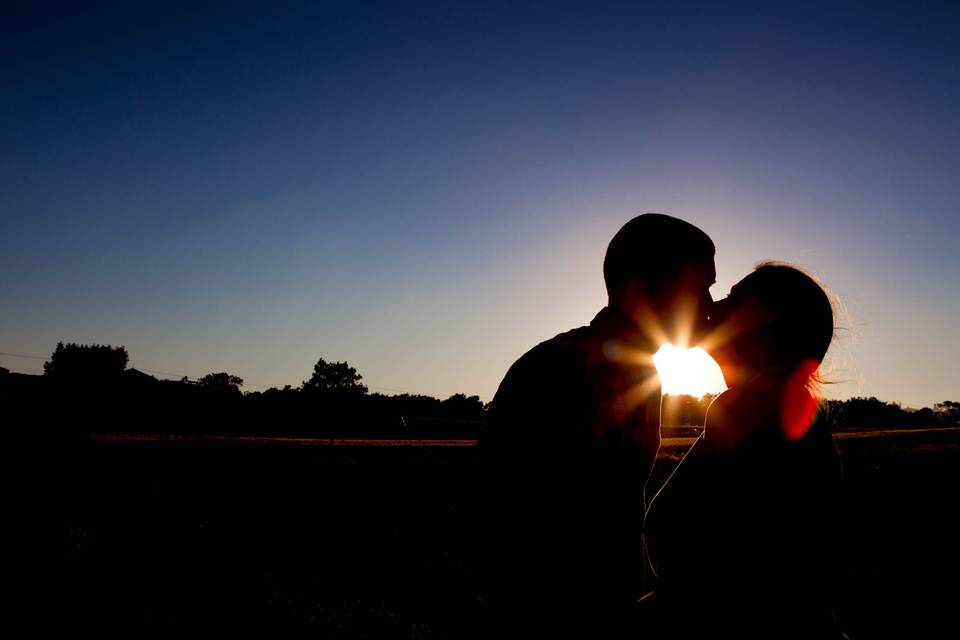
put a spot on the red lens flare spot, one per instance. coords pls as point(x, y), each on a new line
point(799, 407)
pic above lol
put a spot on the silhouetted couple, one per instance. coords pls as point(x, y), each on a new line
point(739, 537)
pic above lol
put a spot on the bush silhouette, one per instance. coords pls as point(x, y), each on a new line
point(81, 362)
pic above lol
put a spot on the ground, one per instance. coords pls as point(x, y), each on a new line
point(373, 540)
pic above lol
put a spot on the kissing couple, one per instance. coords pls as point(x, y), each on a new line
point(738, 541)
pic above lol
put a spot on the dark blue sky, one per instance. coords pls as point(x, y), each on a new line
point(427, 190)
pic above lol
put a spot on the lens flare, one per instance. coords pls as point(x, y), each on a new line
point(687, 371)
point(799, 408)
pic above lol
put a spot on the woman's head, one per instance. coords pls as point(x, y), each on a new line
point(778, 316)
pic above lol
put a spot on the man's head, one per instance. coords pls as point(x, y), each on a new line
point(659, 269)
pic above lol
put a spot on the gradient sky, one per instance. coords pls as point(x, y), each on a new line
point(427, 191)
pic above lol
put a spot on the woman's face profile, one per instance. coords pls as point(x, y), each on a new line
point(742, 346)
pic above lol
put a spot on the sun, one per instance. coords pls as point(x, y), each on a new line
point(687, 371)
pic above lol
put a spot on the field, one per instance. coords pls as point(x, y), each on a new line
point(344, 539)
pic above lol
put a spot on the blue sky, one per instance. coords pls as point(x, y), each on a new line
point(426, 190)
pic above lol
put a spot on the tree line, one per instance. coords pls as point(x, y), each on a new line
point(853, 413)
point(90, 388)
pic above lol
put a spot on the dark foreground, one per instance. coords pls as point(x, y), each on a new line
point(375, 541)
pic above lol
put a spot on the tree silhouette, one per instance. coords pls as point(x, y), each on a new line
point(679, 410)
point(221, 382)
point(337, 377)
point(462, 406)
point(86, 362)
point(948, 410)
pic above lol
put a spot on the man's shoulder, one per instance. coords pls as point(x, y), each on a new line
point(554, 365)
point(542, 390)
point(561, 352)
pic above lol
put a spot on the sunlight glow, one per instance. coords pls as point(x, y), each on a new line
point(688, 371)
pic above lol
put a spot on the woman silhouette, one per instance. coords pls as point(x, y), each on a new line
point(742, 534)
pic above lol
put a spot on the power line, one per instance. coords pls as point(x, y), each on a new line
point(181, 375)
point(20, 355)
point(163, 373)
point(25, 370)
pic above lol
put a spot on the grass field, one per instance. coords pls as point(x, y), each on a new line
point(363, 539)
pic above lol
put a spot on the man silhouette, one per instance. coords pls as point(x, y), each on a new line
point(571, 438)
